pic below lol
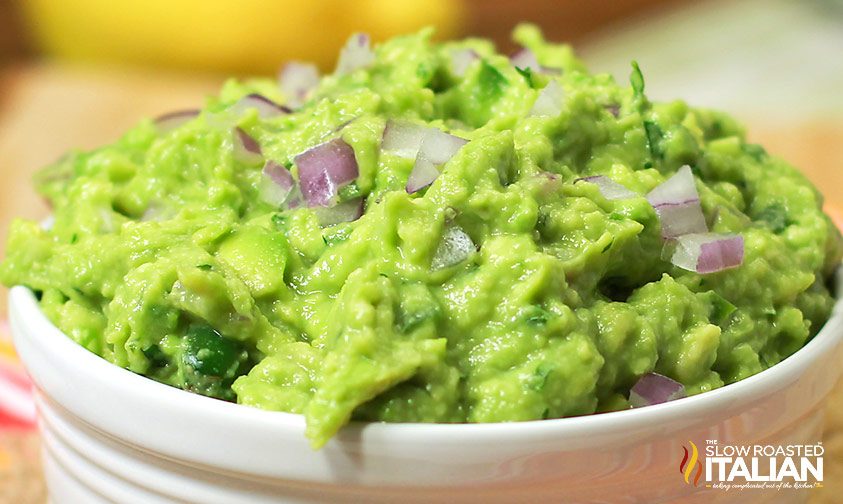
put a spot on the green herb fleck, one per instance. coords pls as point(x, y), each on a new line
point(538, 316)
point(492, 83)
point(279, 221)
point(774, 217)
point(721, 309)
point(539, 378)
point(755, 151)
point(654, 138)
point(410, 321)
point(205, 267)
point(74, 238)
point(636, 79)
point(156, 358)
point(527, 73)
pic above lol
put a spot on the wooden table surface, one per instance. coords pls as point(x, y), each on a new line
point(48, 109)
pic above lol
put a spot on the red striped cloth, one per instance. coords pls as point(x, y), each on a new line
point(17, 409)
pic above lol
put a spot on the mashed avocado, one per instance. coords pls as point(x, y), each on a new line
point(506, 290)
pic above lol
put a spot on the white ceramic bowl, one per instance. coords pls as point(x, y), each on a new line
point(113, 436)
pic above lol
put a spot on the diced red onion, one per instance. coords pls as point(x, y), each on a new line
point(356, 54)
point(678, 205)
point(277, 184)
point(246, 149)
point(170, 121)
point(613, 109)
point(297, 80)
point(346, 211)
point(455, 247)
point(525, 58)
point(653, 388)
point(682, 218)
point(266, 108)
point(424, 173)
point(403, 138)
point(324, 169)
point(708, 252)
point(437, 148)
point(610, 189)
point(679, 188)
point(461, 59)
point(549, 102)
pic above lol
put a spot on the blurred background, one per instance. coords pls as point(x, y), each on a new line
point(75, 74)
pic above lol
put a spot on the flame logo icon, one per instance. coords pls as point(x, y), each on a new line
point(690, 462)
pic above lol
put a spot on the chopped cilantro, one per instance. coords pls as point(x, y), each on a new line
point(654, 138)
point(538, 316)
point(410, 321)
point(74, 238)
point(774, 217)
point(492, 83)
point(156, 358)
point(721, 309)
point(527, 73)
point(539, 378)
point(757, 152)
point(636, 79)
point(205, 267)
point(280, 222)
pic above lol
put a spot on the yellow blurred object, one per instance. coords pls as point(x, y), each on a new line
point(243, 36)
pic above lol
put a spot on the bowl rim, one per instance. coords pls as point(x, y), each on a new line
point(24, 309)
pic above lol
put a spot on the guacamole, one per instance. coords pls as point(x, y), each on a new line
point(433, 233)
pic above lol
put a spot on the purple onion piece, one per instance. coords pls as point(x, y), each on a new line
point(437, 148)
point(653, 388)
point(297, 80)
point(356, 54)
point(678, 189)
point(347, 211)
point(708, 252)
point(324, 169)
point(549, 101)
point(246, 148)
point(423, 175)
point(461, 60)
point(681, 218)
point(677, 203)
point(454, 247)
point(525, 58)
point(172, 120)
point(403, 138)
point(276, 184)
point(266, 108)
point(610, 189)
point(279, 175)
point(613, 109)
